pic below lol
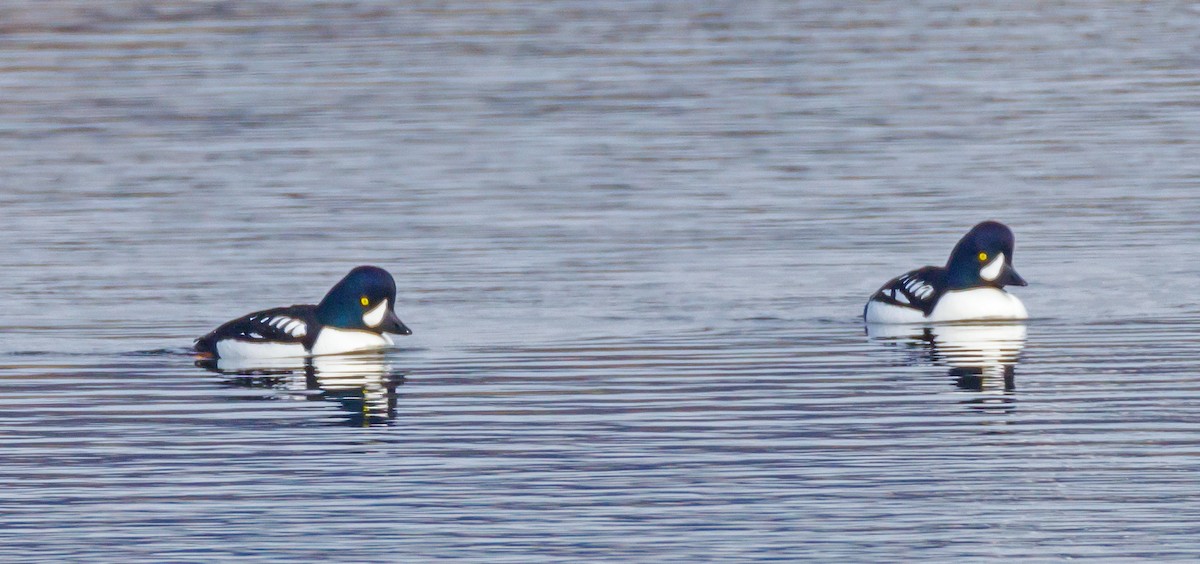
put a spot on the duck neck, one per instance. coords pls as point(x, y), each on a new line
point(329, 314)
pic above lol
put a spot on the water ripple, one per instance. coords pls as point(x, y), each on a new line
point(633, 241)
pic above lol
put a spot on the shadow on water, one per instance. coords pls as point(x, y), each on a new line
point(979, 357)
point(363, 386)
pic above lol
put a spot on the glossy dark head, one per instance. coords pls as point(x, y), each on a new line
point(363, 300)
point(983, 257)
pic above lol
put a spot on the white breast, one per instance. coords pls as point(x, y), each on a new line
point(975, 304)
point(978, 304)
point(337, 341)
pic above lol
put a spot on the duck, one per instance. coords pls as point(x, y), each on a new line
point(355, 315)
point(969, 288)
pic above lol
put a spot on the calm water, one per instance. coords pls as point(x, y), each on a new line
point(633, 241)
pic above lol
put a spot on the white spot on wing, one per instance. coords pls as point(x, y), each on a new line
point(915, 287)
point(295, 328)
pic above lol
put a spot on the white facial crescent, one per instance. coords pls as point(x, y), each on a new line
point(374, 316)
point(992, 270)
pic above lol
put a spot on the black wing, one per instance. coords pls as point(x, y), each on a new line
point(294, 324)
point(919, 289)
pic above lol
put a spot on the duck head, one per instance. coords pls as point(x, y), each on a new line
point(983, 257)
point(363, 300)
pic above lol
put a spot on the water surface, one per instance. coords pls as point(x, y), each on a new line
point(633, 241)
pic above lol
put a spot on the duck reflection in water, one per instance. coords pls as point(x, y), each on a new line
point(980, 357)
point(363, 385)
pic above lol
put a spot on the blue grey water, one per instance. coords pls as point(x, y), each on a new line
point(633, 240)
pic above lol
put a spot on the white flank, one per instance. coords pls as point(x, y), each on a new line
point(992, 270)
point(337, 341)
point(374, 317)
point(235, 349)
point(880, 312)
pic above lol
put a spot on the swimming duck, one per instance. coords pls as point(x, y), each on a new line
point(356, 315)
point(969, 287)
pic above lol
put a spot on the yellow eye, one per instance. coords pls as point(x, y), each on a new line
point(982, 257)
point(363, 300)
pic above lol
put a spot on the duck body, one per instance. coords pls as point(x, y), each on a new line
point(891, 305)
point(969, 288)
point(356, 315)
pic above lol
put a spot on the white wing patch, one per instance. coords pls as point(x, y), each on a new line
point(295, 328)
point(289, 325)
point(915, 286)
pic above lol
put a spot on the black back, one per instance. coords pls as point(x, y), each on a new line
point(268, 325)
point(919, 289)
